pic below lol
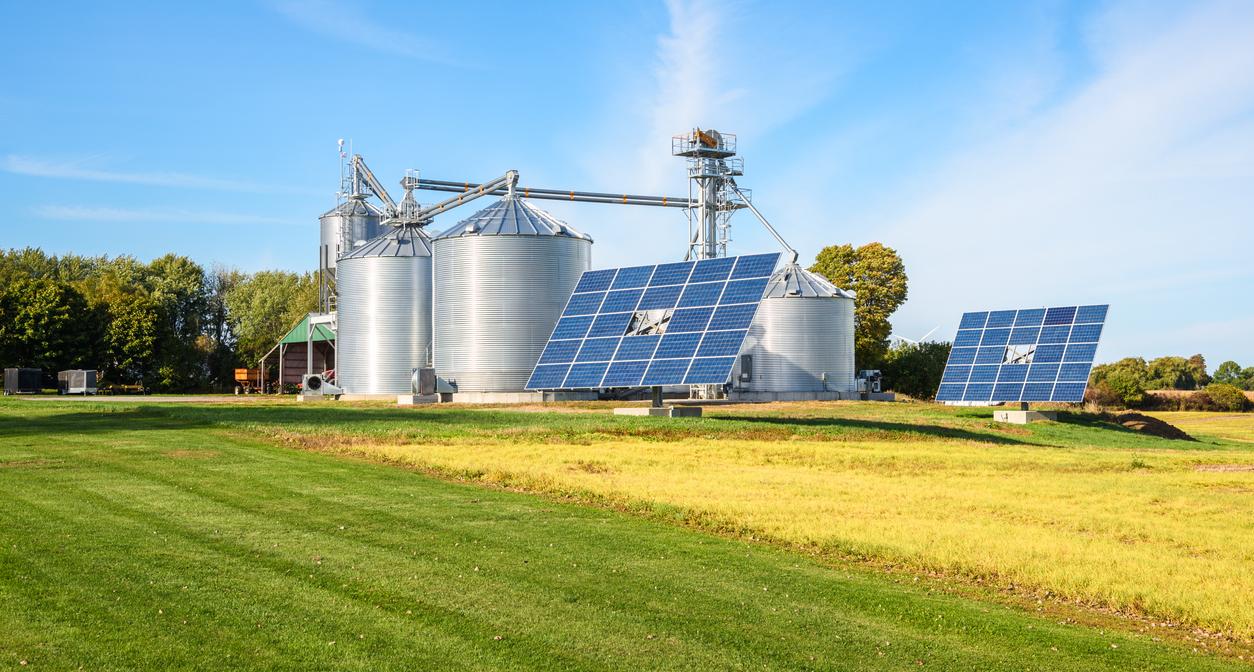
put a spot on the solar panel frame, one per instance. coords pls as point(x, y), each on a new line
point(1028, 355)
point(680, 323)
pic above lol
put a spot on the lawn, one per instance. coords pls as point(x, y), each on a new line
point(196, 537)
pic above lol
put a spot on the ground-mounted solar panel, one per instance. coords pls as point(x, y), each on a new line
point(670, 324)
point(1031, 355)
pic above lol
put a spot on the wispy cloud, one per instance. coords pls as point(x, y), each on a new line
point(1139, 178)
point(77, 170)
point(89, 213)
point(347, 23)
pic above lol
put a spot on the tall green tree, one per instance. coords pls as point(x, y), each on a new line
point(1197, 365)
point(878, 276)
point(264, 306)
point(223, 358)
point(1229, 373)
point(47, 325)
point(1171, 373)
point(177, 286)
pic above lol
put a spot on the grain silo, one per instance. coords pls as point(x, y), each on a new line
point(801, 342)
point(502, 277)
point(384, 312)
point(344, 227)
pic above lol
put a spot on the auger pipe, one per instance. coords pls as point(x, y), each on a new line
point(778, 238)
point(560, 194)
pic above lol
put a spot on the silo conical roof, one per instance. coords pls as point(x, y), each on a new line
point(795, 281)
point(401, 241)
point(354, 207)
point(512, 216)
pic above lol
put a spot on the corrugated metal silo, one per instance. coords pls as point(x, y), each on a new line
point(384, 329)
point(803, 330)
point(502, 277)
point(358, 218)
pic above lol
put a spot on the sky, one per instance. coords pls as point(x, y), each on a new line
point(1014, 154)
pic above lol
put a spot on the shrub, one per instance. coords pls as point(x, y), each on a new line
point(1126, 379)
point(916, 368)
point(1228, 398)
point(1102, 396)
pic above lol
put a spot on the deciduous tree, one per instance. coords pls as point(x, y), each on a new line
point(878, 276)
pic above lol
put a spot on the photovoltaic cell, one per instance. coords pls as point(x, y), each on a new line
point(755, 266)
point(678, 345)
point(973, 320)
point(630, 278)
point(744, 291)
point(1030, 355)
point(733, 317)
point(624, 374)
point(703, 294)
point(621, 300)
point(672, 324)
point(595, 281)
point(584, 304)
point(670, 274)
point(712, 269)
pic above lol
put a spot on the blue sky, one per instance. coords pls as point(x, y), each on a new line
point(1015, 154)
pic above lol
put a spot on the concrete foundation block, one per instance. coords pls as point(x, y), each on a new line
point(1024, 417)
point(415, 399)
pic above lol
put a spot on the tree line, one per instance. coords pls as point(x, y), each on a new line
point(174, 326)
point(170, 325)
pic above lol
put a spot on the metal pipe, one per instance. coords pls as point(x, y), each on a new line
point(778, 238)
point(360, 168)
point(502, 184)
point(560, 194)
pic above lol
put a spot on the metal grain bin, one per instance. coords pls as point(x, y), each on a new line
point(502, 277)
point(802, 337)
point(354, 219)
point(384, 313)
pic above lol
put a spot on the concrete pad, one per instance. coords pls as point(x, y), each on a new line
point(416, 399)
point(1024, 417)
point(664, 412)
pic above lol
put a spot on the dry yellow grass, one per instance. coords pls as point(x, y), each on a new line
point(1230, 426)
point(1165, 532)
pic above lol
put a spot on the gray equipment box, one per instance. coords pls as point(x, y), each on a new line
point(23, 381)
point(77, 381)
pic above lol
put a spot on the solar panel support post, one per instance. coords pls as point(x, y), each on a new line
point(657, 396)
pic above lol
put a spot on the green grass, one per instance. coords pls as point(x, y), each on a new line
point(1078, 511)
point(174, 538)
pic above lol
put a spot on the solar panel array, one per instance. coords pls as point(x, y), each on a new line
point(669, 324)
point(1038, 354)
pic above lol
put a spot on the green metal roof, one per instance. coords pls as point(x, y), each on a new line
point(300, 333)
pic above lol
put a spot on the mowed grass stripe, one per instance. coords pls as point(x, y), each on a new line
point(94, 523)
point(1081, 509)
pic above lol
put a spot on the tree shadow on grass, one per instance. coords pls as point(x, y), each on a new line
point(85, 422)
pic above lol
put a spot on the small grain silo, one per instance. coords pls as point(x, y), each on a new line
point(801, 342)
point(384, 313)
point(344, 227)
point(502, 277)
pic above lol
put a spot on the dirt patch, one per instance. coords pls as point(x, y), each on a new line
point(1152, 426)
point(1224, 468)
point(192, 454)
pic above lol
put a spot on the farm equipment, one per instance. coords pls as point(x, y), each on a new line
point(23, 381)
point(76, 381)
point(248, 381)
